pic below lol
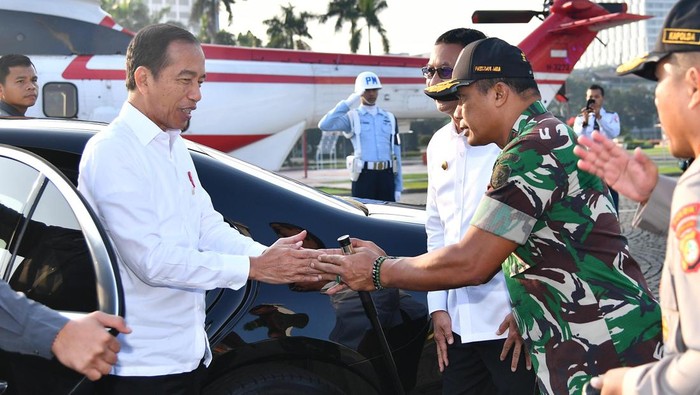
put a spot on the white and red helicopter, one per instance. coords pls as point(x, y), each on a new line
point(257, 102)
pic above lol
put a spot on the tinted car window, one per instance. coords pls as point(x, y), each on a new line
point(48, 257)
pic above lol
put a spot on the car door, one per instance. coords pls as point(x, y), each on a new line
point(55, 251)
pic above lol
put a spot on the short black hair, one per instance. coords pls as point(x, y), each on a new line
point(522, 86)
point(149, 48)
point(463, 36)
point(12, 60)
point(594, 87)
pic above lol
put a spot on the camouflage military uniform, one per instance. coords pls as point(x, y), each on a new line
point(580, 300)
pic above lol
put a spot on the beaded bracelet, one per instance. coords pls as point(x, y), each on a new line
point(376, 267)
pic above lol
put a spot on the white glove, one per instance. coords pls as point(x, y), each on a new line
point(397, 196)
point(353, 99)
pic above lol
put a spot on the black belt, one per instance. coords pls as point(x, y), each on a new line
point(383, 165)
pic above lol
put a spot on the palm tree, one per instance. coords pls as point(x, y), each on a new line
point(344, 11)
point(132, 14)
point(352, 11)
point(369, 10)
point(206, 12)
point(288, 31)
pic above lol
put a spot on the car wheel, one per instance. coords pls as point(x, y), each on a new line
point(271, 380)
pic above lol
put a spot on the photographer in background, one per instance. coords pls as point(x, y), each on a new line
point(594, 117)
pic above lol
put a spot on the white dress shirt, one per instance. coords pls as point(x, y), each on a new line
point(458, 175)
point(171, 243)
point(608, 124)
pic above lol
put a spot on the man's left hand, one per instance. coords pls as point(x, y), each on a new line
point(515, 341)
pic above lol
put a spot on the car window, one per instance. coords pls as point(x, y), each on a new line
point(51, 249)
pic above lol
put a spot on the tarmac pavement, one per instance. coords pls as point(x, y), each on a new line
point(647, 248)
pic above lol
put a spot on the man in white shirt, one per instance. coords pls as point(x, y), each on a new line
point(468, 322)
point(172, 245)
point(594, 117)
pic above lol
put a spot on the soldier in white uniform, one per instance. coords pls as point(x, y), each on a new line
point(675, 64)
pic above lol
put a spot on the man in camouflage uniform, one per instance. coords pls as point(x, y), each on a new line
point(666, 206)
point(580, 300)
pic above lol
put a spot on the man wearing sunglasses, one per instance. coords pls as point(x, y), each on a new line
point(375, 166)
point(470, 330)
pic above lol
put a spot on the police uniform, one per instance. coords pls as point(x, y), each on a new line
point(679, 291)
point(374, 136)
point(580, 299)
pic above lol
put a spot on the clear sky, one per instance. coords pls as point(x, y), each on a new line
point(412, 25)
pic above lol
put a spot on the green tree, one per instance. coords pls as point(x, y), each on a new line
point(289, 30)
point(248, 40)
point(369, 10)
point(633, 102)
point(132, 14)
point(352, 11)
point(225, 38)
point(345, 11)
point(206, 12)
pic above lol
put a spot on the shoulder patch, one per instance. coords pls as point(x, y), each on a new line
point(509, 157)
point(500, 175)
point(685, 227)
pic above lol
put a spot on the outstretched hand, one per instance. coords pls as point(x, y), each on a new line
point(354, 270)
point(85, 346)
point(285, 262)
point(633, 176)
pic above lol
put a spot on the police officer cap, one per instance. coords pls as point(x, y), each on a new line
point(680, 33)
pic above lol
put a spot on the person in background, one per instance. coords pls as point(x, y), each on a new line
point(172, 246)
point(468, 322)
point(666, 205)
point(580, 300)
point(18, 85)
point(81, 344)
point(594, 117)
point(375, 166)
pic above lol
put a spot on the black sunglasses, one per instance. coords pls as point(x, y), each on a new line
point(442, 71)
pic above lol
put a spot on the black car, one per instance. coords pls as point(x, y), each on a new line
point(265, 338)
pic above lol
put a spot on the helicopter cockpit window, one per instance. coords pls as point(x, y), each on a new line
point(60, 100)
